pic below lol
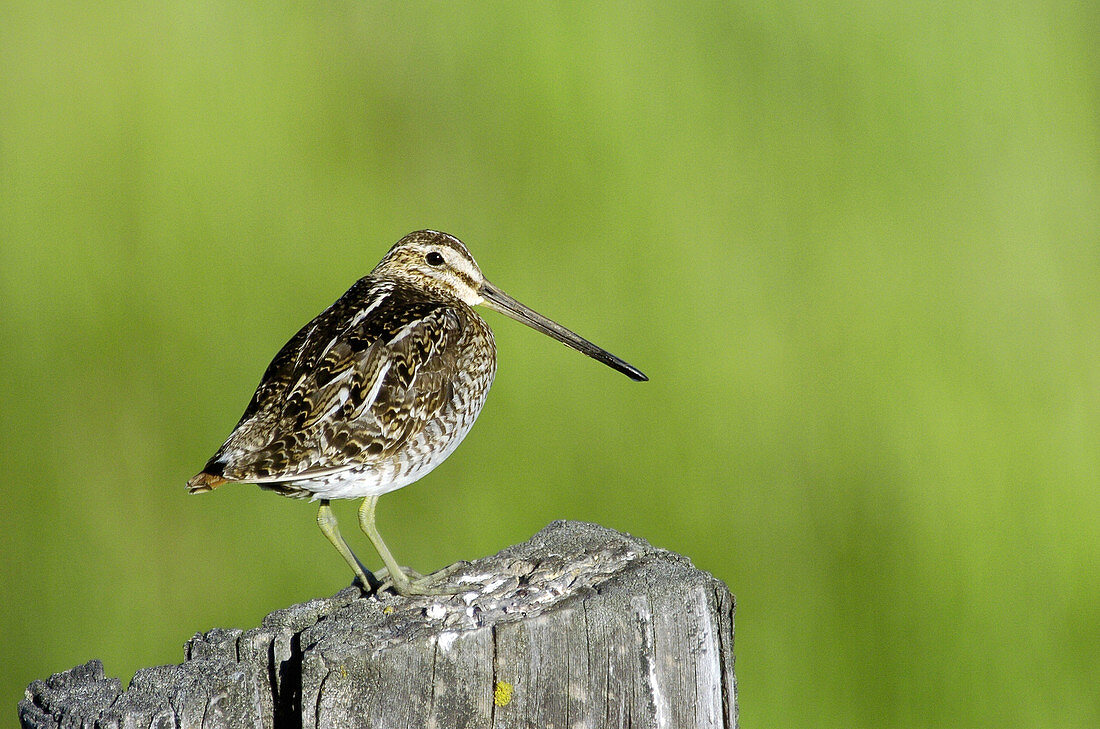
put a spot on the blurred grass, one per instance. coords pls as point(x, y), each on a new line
point(854, 245)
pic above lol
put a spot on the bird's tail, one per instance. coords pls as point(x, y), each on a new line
point(204, 482)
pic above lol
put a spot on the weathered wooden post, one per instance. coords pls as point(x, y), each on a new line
point(579, 627)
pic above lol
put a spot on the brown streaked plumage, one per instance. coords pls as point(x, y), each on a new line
point(378, 389)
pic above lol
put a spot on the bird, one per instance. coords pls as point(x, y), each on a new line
point(377, 390)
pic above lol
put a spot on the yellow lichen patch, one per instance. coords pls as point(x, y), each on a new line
point(502, 693)
point(387, 610)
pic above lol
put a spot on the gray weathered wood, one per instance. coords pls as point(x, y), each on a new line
point(580, 626)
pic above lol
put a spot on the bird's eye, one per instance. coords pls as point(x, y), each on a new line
point(434, 258)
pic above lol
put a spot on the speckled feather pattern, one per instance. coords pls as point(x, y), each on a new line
point(368, 397)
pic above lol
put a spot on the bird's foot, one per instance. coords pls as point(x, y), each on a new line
point(372, 584)
point(412, 582)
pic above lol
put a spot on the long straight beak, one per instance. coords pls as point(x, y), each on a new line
point(499, 301)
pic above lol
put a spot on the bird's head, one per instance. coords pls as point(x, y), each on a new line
point(439, 264)
point(434, 262)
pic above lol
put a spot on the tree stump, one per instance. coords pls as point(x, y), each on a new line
point(580, 626)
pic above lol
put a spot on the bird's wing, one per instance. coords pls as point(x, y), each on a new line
point(360, 388)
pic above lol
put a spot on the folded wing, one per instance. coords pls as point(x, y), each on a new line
point(349, 390)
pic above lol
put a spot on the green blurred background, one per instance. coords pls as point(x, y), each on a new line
point(855, 245)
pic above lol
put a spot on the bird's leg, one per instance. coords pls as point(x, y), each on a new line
point(366, 522)
point(327, 521)
point(396, 574)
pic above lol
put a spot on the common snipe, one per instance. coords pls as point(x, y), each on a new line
point(378, 390)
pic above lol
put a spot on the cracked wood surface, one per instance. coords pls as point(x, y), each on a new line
point(580, 626)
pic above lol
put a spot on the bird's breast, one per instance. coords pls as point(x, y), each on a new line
point(468, 379)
